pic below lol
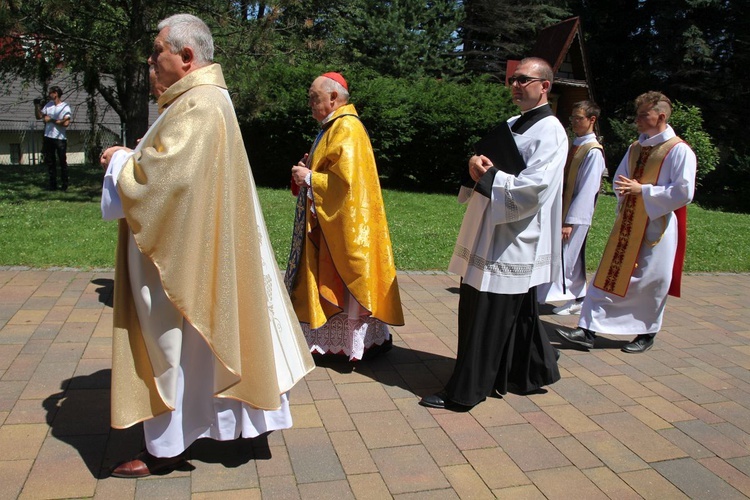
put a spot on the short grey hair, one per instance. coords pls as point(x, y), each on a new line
point(186, 30)
point(329, 85)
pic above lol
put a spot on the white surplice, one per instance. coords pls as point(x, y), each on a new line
point(511, 242)
point(580, 214)
point(642, 308)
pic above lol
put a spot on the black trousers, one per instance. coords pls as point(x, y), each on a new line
point(59, 148)
point(502, 345)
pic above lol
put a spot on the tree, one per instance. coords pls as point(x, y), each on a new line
point(494, 31)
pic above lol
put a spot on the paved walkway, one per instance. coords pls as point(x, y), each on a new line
point(671, 423)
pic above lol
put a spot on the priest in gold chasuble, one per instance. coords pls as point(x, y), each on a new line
point(341, 272)
point(205, 341)
point(642, 261)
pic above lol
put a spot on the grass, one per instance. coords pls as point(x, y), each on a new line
point(44, 229)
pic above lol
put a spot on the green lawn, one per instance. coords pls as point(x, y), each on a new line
point(42, 229)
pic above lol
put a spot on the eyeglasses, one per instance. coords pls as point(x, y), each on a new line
point(523, 80)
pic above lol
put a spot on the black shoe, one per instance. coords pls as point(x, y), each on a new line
point(642, 343)
point(436, 400)
point(557, 354)
point(579, 336)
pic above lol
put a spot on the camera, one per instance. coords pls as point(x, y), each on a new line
point(38, 101)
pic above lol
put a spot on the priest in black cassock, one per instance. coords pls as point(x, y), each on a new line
point(508, 244)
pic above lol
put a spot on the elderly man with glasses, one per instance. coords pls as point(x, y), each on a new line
point(508, 244)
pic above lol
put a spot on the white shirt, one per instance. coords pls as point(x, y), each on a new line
point(55, 112)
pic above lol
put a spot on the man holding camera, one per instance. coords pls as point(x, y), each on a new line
point(56, 115)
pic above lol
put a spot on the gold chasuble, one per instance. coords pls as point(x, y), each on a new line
point(347, 245)
point(189, 200)
point(577, 154)
point(628, 234)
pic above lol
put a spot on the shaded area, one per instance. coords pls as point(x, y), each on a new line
point(105, 291)
point(79, 415)
point(21, 183)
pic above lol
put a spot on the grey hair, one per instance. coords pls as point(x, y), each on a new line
point(186, 30)
point(329, 86)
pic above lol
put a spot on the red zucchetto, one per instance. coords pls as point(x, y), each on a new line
point(336, 77)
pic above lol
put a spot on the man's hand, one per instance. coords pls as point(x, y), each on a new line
point(567, 230)
point(625, 186)
point(106, 156)
point(299, 172)
point(478, 165)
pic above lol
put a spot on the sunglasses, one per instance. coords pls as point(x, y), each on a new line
point(523, 80)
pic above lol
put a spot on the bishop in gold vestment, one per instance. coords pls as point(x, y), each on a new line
point(341, 272)
point(205, 340)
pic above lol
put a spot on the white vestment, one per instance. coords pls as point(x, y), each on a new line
point(642, 308)
point(511, 242)
point(580, 214)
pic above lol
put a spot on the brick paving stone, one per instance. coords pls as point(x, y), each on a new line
point(692, 390)
point(418, 376)
point(416, 415)
point(219, 477)
point(13, 475)
point(75, 332)
point(527, 447)
point(664, 409)
point(687, 444)
point(16, 334)
point(277, 464)
point(695, 480)
point(521, 404)
point(588, 400)
point(48, 380)
point(651, 486)
point(610, 483)
point(16, 294)
point(59, 313)
point(305, 416)
point(22, 441)
point(163, 488)
point(8, 353)
point(464, 430)
point(322, 389)
point(732, 412)
point(466, 483)
point(529, 492)
point(444, 494)
point(495, 412)
point(368, 486)
point(383, 429)
point(66, 468)
point(583, 375)
point(440, 446)
point(334, 416)
point(648, 444)
point(408, 469)
point(30, 411)
point(714, 440)
point(571, 419)
point(248, 494)
point(560, 482)
point(365, 397)
point(23, 367)
point(576, 452)
point(741, 464)
point(300, 394)
point(352, 452)
point(9, 393)
point(698, 412)
point(545, 424)
point(312, 455)
point(332, 490)
point(612, 452)
point(648, 417)
point(731, 475)
point(47, 330)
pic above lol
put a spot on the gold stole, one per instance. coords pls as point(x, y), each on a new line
point(621, 253)
point(578, 153)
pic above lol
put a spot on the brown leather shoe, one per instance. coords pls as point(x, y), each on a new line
point(145, 464)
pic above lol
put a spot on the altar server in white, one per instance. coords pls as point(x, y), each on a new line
point(642, 262)
point(581, 183)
